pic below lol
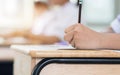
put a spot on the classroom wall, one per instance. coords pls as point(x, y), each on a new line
point(101, 26)
point(16, 13)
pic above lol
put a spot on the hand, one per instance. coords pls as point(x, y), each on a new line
point(82, 37)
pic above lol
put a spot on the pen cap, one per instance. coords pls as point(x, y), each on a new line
point(80, 1)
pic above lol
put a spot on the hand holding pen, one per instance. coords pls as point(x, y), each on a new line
point(71, 37)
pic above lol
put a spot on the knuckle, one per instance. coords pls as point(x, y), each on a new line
point(76, 30)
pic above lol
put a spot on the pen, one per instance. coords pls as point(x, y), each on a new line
point(80, 10)
point(79, 15)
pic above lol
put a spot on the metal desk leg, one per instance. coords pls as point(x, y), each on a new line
point(38, 68)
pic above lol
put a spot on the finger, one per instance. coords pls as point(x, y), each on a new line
point(72, 43)
point(69, 36)
point(76, 40)
point(70, 28)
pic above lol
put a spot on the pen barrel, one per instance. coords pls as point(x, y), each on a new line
point(80, 12)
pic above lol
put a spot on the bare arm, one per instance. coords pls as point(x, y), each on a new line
point(15, 33)
point(43, 39)
point(37, 39)
point(50, 39)
point(110, 41)
point(82, 37)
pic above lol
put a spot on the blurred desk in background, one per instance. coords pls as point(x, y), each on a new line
point(86, 62)
point(6, 54)
point(6, 60)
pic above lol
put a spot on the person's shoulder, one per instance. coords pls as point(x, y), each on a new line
point(118, 17)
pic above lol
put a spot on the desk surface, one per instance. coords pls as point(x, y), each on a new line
point(62, 51)
point(6, 54)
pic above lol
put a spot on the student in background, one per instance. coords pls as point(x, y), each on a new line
point(82, 37)
point(53, 23)
point(40, 8)
point(49, 27)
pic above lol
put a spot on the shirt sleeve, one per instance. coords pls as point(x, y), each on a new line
point(116, 25)
point(41, 22)
point(63, 19)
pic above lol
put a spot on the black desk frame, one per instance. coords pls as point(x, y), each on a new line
point(38, 68)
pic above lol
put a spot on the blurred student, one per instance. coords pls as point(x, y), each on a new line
point(53, 23)
point(82, 37)
point(49, 27)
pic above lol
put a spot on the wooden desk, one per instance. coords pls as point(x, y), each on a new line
point(6, 54)
point(91, 62)
point(6, 60)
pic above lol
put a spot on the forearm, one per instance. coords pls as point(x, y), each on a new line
point(43, 39)
point(111, 41)
point(49, 39)
point(15, 33)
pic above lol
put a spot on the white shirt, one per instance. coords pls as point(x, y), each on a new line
point(54, 22)
point(116, 25)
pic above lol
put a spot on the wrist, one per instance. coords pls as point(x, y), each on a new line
point(104, 41)
point(109, 41)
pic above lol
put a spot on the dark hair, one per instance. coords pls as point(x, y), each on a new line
point(39, 4)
